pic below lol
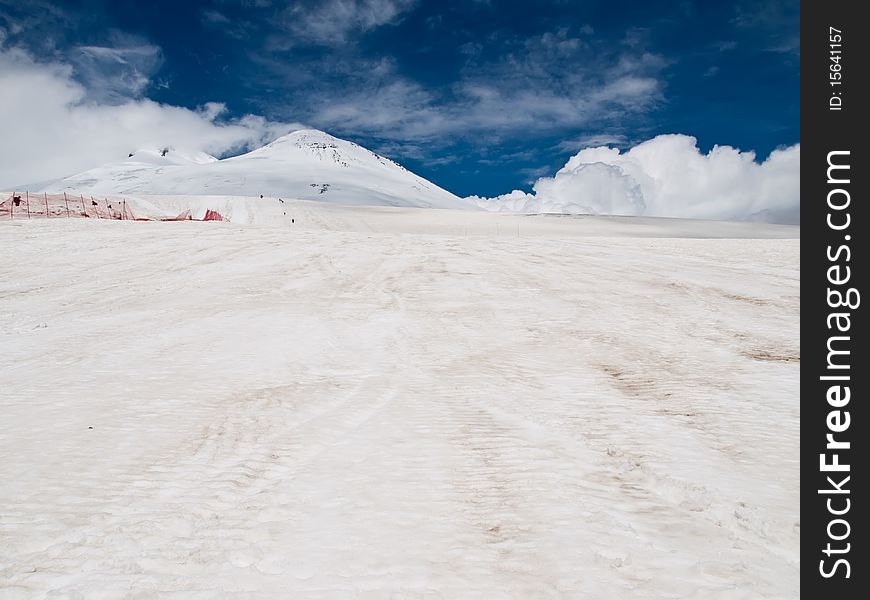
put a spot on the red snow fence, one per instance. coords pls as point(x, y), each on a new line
point(24, 205)
point(185, 216)
point(210, 215)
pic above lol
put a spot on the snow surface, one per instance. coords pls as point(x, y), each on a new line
point(399, 403)
point(306, 164)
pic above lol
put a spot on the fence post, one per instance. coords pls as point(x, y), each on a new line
point(27, 195)
point(65, 201)
point(45, 195)
point(84, 210)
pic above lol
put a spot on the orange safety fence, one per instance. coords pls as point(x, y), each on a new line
point(184, 216)
point(24, 205)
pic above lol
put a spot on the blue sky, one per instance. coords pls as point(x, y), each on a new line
point(479, 96)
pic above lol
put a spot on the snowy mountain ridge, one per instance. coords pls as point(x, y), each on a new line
point(307, 164)
point(169, 155)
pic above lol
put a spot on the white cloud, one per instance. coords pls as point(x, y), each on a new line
point(774, 21)
point(236, 28)
point(215, 17)
point(667, 176)
point(508, 86)
point(594, 139)
point(116, 72)
point(332, 21)
point(400, 109)
point(52, 128)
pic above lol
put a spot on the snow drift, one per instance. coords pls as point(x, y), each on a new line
point(667, 176)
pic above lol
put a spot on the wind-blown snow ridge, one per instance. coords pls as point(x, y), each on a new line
point(307, 164)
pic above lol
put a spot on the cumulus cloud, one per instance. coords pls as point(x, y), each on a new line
point(53, 128)
point(667, 176)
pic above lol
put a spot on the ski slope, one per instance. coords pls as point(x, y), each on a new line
point(399, 403)
point(306, 164)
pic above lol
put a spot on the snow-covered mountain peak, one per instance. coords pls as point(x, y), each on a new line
point(307, 164)
point(321, 146)
point(307, 143)
point(302, 138)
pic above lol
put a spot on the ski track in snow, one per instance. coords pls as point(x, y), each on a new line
point(324, 413)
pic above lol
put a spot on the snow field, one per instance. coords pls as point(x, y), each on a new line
point(376, 404)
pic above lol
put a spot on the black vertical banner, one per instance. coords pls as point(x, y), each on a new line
point(834, 220)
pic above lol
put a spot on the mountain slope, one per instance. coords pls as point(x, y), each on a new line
point(306, 164)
